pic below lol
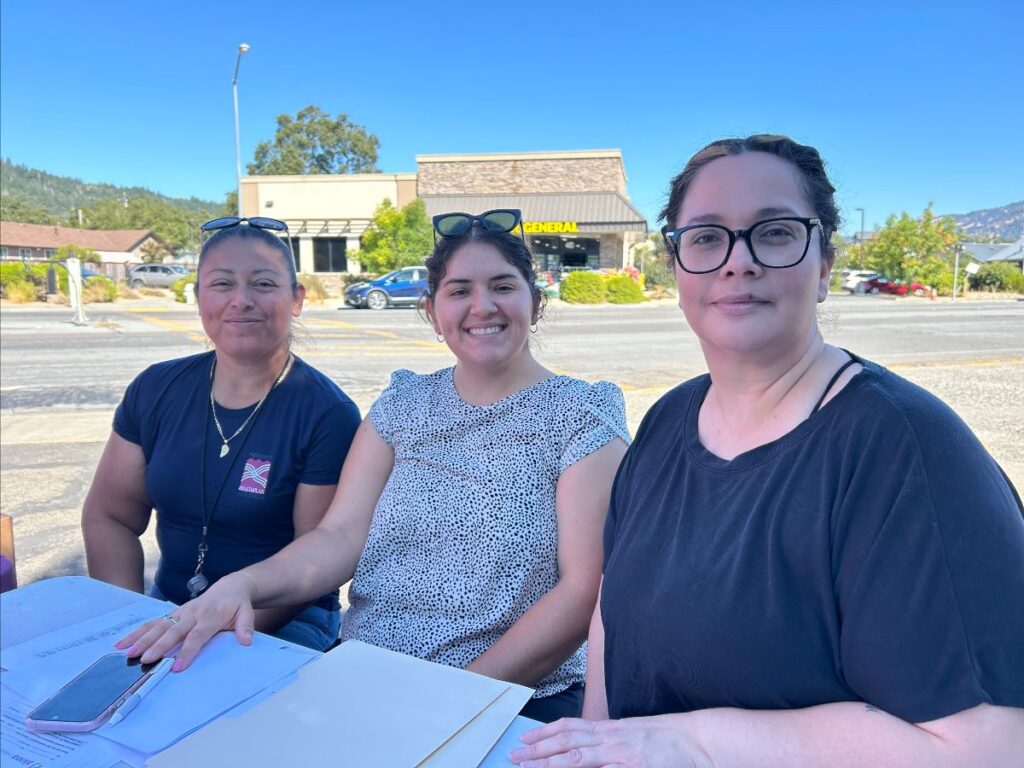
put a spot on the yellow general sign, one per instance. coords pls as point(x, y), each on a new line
point(549, 227)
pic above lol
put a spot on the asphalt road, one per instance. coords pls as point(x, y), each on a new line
point(59, 383)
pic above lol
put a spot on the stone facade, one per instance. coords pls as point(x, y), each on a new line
point(516, 174)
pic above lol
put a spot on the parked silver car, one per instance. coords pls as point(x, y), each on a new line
point(155, 275)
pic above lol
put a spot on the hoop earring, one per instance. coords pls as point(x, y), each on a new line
point(440, 338)
point(533, 328)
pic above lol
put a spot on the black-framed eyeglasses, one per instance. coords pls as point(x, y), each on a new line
point(773, 243)
point(498, 220)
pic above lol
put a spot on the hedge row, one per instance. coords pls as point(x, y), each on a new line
point(997, 276)
point(25, 282)
point(586, 287)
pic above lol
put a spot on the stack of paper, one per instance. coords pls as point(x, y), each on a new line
point(362, 705)
point(222, 676)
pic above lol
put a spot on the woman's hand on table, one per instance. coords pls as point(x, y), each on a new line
point(639, 742)
point(227, 605)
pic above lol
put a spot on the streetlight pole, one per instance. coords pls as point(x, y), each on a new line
point(861, 236)
point(238, 153)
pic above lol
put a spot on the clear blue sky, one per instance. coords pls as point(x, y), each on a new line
point(908, 102)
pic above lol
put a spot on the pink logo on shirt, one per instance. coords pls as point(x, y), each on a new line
point(255, 476)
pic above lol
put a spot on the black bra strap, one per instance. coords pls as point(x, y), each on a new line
point(833, 380)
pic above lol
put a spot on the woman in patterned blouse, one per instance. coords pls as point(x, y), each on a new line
point(470, 509)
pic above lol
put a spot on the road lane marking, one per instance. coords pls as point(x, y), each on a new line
point(171, 325)
point(330, 324)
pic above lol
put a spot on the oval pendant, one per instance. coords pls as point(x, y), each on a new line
point(224, 450)
point(197, 584)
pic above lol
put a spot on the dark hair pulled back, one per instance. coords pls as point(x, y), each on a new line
point(817, 187)
point(512, 248)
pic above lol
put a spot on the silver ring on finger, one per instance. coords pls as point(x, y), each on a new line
point(172, 619)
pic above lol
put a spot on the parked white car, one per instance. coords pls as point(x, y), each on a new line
point(854, 279)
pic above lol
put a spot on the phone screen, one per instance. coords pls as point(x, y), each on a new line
point(87, 696)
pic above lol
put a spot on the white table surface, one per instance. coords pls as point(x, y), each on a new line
point(41, 607)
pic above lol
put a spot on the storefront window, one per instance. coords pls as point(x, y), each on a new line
point(329, 254)
point(559, 253)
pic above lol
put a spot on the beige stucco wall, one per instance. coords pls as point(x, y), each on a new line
point(323, 197)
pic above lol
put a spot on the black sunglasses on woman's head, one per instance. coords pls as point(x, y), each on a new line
point(260, 222)
point(498, 220)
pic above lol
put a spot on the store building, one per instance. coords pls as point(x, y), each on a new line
point(576, 212)
point(326, 214)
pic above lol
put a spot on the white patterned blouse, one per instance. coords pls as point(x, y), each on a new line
point(464, 538)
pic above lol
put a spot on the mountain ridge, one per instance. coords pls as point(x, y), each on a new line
point(1002, 224)
point(61, 195)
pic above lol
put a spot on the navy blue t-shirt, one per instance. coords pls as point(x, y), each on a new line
point(301, 435)
point(875, 553)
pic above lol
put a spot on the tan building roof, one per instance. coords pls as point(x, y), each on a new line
point(592, 211)
point(17, 234)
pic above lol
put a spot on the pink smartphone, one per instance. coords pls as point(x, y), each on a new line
point(91, 697)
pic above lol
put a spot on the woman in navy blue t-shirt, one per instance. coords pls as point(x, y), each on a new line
point(808, 560)
point(238, 450)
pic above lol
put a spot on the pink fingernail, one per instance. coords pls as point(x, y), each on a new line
point(133, 650)
point(177, 665)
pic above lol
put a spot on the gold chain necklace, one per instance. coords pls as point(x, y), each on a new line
point(224, 449)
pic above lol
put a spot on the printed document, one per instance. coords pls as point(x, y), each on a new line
point(382, 708)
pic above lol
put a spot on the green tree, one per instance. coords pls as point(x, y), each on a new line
point(658, 268)
point(154, 251)
point(13, 209)
point(230, 205)
point(82, 254)
point(915, 249)
point(396, 238)
point(177, 227)
point(314, 142)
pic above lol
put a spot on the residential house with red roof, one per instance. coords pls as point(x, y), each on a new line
point(39, 242)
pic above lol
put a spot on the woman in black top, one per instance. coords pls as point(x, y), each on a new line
point(808, 560)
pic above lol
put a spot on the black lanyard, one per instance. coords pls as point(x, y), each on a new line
point(198, 583)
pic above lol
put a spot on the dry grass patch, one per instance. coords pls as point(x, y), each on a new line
point(20, 292)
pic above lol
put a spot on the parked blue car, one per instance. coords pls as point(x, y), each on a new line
point(403, 286)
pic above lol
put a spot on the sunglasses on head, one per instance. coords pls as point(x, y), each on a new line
point(498, 220)
point(260, 222)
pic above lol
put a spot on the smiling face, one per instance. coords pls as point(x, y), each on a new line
point(744, 307)
point(482, 307)
point(245, 299)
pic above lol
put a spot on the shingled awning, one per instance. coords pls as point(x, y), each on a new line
point(593, 212)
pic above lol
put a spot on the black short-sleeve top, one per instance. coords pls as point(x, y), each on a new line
point(875, 553)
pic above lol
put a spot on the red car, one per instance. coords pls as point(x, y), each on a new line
point(895, 287)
